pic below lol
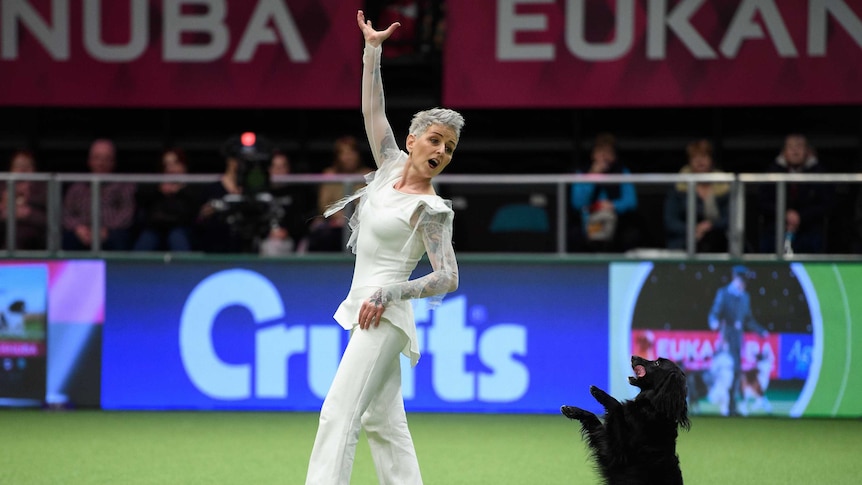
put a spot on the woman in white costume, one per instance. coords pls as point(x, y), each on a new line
point(398, 219)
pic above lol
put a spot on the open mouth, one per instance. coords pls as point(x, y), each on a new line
point(433, 163)
point(640, 371)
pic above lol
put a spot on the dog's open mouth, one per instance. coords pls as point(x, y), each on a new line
point(640, 371)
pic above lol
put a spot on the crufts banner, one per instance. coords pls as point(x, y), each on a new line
point(613, 53)
point(180, 53)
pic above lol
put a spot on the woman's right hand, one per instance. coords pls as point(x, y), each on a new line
point(374, 37)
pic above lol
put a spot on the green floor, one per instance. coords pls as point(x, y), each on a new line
point(97, 447)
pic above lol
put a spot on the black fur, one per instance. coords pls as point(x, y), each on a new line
point(636, 444)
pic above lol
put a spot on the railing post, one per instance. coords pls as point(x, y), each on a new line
point(736, 224)
point(55, 215)
point(690, 218)
point(347, 213)
point(561, 218)
point(10, 215)
point(95, 226)
point(780, 210)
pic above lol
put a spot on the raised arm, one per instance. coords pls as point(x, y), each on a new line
point(377, 127)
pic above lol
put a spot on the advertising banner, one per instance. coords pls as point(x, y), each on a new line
point(180, 53)
point(513, 338)
point(764, 339)
point(51, 315)
point(634, 53)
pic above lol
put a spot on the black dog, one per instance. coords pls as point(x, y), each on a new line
point(636, 445)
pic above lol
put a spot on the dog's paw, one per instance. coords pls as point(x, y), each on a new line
point(573, 412)
point(596, 392)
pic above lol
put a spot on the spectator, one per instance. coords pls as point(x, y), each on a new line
point(116, 205)
point(808, 204)
point(287, 232)
point(327, 233)
point(712, 201)
point(608, 211)
point(213, 228)
point(29, 205)
point(168, 209)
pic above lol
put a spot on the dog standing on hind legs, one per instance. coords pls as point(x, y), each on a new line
point(636, 443)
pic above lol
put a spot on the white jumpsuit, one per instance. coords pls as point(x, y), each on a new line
point(389, 234)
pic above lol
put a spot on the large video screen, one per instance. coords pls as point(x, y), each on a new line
point(513, 338)
point(763, 339)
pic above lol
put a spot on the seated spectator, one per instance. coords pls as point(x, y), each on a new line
point(712, 202)
point(116, 206)
point(609, 221)
point(287, 234)
point(168, 210)
point(808, 204)
point(29, 205)
point(327, 233)
point(213, 230)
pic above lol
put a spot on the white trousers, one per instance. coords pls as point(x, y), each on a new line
point(366, 394)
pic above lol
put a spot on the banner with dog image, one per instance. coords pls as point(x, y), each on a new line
point(764, 339)
point(51, 315)
point(23, 334)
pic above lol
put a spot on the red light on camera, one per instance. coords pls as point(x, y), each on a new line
point(248, 138)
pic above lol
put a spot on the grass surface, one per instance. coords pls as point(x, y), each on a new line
point(98, 447)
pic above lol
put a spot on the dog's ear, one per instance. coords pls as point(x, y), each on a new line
point(671, 397)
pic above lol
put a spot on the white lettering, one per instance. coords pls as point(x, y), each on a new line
point(324, 351)
point(55, 40)
point(509, 379)
point(207, 371)
point(509, 23)
point(258, 32)
point(576, 32)
point(450, 340)
point(743, 26)
point(678, 21)
point(273, 348)
point(817, 21)
point(211, 23)
point(118, 53)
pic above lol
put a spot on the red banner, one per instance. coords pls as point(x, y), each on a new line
point(695, 349)
point(180, 53)
point(637, 53)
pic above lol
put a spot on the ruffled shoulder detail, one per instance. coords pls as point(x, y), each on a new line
point(393, 162)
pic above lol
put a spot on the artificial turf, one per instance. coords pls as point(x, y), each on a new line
point(101, 447)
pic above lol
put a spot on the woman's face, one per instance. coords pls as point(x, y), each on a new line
point(432, 151)
point(22, 164)
point(700, 163)
point(347, 158)
point(172, 164)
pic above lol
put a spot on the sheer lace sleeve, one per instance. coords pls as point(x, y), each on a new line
point(377, 127)
point(435, 228)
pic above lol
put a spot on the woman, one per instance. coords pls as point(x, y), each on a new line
point(326, 233)
point(30, 205)
point(608, 212)
point(168, 209)
point(713, 199)
point(399, 218)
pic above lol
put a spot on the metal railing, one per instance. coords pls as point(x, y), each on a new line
point(560, 182)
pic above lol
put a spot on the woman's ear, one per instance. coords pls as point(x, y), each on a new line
point(411, 140)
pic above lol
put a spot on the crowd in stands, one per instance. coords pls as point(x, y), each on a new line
point(218, 217)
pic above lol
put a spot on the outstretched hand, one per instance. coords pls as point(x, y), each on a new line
point(374, 37)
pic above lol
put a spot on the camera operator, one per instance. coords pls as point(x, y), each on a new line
point(241, 209)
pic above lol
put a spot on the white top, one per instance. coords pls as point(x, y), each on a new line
point(391, 229)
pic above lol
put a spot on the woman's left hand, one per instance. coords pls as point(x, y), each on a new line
point(372, 310)
point(374, 37)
